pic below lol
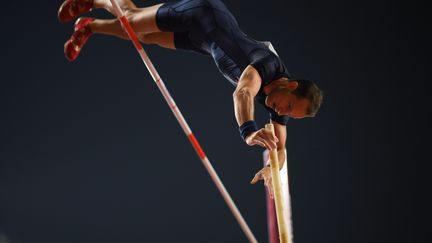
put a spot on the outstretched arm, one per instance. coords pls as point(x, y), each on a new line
point(247, 88)
point(265, 173)
point(281, 134)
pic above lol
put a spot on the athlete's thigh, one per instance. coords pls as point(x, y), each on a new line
point(143, 20)
point(126, 4)
point(163, 39)
point(181, 16)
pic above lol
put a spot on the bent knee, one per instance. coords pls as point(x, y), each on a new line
point(163, 39)
point(131, 16)
point(147, 38)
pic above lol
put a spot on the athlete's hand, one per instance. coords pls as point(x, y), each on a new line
point(263, 138)
point(265, 174)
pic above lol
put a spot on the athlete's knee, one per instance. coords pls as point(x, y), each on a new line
point(127, 7)
point(147, 38)
point(132, 16)
point(130, 12)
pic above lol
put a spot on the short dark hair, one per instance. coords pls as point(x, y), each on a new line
point(309, 90)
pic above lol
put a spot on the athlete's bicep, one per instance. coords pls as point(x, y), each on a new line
point(249, 81)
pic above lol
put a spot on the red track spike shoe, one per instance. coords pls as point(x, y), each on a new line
point(73, 46)
point(73, 8)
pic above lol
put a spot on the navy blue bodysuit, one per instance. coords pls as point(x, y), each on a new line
point(209, 28)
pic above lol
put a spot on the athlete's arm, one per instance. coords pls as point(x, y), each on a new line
point(247, 88)
point(265, 173)
point(281, 134)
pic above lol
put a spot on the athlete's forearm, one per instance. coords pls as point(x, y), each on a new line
point(281, 157)
point(281, 134)
point(243, 106)
point(247, 87)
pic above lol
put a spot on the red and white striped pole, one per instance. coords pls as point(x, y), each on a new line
point(272, 224)
point(132, 35)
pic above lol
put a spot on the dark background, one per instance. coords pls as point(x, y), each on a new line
point(91, 153)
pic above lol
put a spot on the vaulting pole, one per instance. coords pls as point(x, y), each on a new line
point(279, 202)
point(132, 35)
point(272, 225)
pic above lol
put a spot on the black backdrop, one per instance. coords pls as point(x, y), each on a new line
point(91, 153)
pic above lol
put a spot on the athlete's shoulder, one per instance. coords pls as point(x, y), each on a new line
point(269, 66)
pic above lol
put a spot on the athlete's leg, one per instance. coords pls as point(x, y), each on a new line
point(163, 39)
point(71, 9)
point(108, 27)
point(85, 27)
point(143, 19)
point(113, 28)
point(144, 23)
point(125, 5)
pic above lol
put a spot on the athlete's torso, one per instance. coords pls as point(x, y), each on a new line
point(212, 30)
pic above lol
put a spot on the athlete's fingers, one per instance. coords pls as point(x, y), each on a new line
point(270, 145)
point(260, 175)
point(270, 135)
point(269, 184)
point(262, 138)
point(267, 144)
point(256, 178)
point(258, 142)
point(271, 192)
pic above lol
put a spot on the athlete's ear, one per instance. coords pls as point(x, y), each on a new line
point(292, 85)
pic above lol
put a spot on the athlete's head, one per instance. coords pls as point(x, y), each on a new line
point(297, 98)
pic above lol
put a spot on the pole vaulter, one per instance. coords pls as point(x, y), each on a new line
point(208, 27)
point(183, 123)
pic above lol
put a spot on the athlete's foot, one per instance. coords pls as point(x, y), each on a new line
point(73, 8)
point(82, 33)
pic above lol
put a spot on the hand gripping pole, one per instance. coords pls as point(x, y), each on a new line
point(132, 35)
point(277, 191)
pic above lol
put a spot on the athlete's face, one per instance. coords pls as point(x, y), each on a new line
point(285, 102)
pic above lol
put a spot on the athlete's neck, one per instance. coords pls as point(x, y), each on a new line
point(275, 84)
